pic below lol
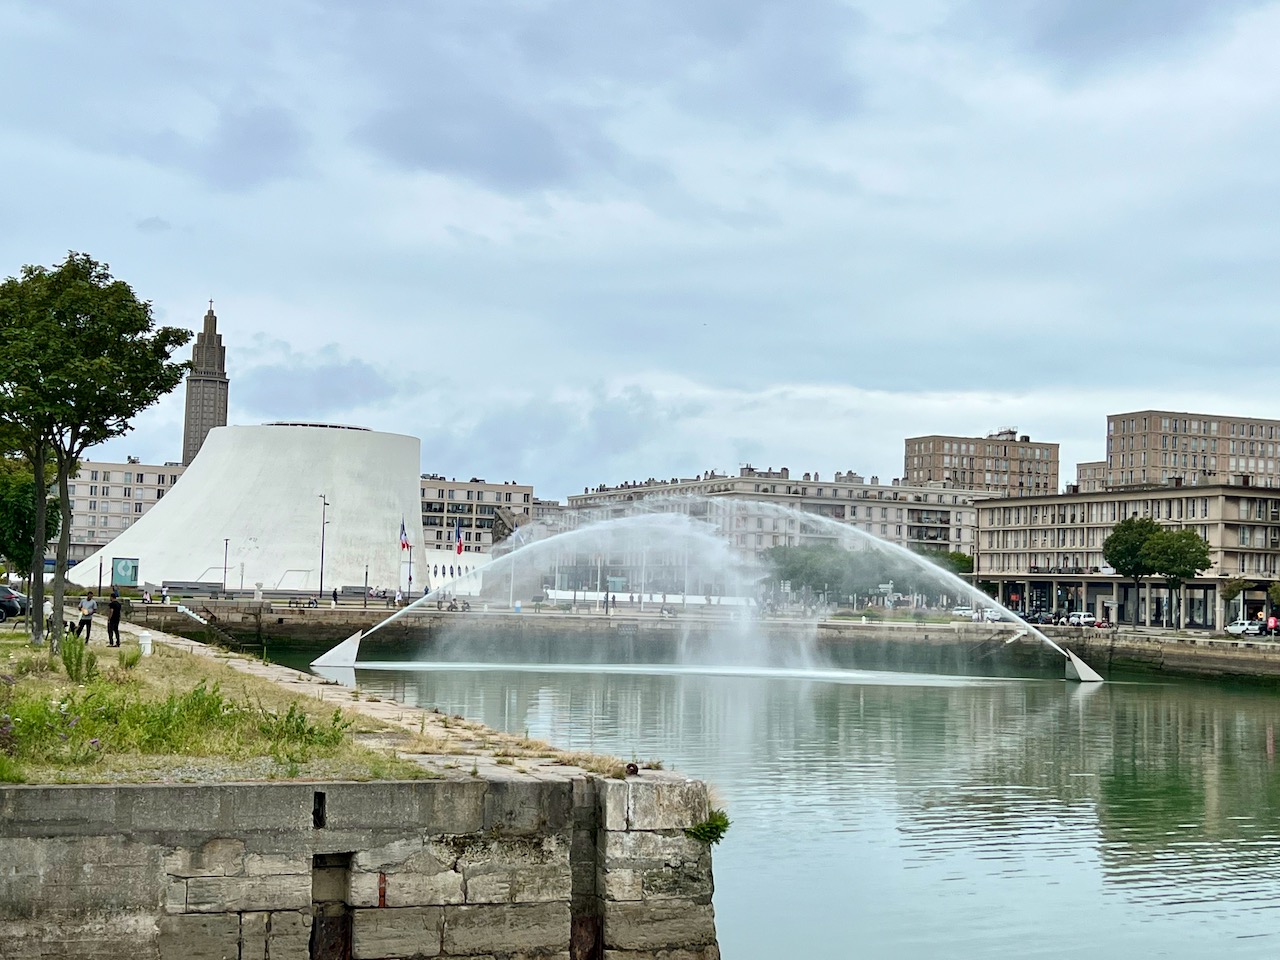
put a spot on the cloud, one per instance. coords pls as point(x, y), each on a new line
point(153, 225)
point(1083, 36)
point(307, 386)
point(243, 149)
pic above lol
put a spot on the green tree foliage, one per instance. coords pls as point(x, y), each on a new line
point(1176, 556)
point(18, 509)
point(82, 358)
point(1123, 551)
point(1230, 589)
point(842, 572)
point(952, 561)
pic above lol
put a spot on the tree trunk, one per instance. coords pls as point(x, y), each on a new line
point(1137, 598)
point(35, 612)
point(65, 462)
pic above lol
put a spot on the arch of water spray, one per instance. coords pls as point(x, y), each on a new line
point(701, 550)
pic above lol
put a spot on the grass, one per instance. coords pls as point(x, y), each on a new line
point(172, 716)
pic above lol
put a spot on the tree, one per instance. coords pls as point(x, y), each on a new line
point(18, 508)
point(1123, 551)
point(1232, 588)
point(1177, 556)
point(953, 562)
point(82, 357)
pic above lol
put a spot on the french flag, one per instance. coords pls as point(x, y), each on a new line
point(404, 537)
point(457, 535)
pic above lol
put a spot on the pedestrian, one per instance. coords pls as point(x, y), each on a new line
point(164, 594)
point(335, 596)
point(399, 596)
point(88, 607)
point(113, 620)
point(48, 616)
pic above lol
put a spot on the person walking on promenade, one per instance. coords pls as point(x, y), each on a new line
point(88, 607)
point(113, 619)
point(164, 594)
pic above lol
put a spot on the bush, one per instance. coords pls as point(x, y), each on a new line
point(80, 662)
point(711, 830)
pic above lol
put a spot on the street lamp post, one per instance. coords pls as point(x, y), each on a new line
point(226, 548)
point(324, 522)
point(411, 573)
point(365, 595)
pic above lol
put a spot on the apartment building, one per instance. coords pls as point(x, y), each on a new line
point(1159, 446)
point(484, 513)
point(108, 498)
point(929, 517)
point(1045, 553)
point(1091, 476)
point(1004, 463)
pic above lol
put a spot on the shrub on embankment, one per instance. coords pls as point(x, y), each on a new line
point(169, 717)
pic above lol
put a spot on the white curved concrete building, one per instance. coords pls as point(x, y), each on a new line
point(252, 501)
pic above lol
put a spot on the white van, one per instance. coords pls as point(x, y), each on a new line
point(1081, 619)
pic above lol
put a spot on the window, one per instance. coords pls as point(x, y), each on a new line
point(93, 505)
point(128, 477)
point(137, 508)
point(93, 474)
point(106, 475)
point(128, 492)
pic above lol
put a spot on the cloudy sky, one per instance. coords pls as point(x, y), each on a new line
point(568, 242)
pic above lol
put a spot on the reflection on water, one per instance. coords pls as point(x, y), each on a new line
point(895, 815)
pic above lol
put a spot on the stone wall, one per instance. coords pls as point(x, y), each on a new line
point(567, 866)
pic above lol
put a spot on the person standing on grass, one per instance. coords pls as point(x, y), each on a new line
point(88, 607)
point(113, 620)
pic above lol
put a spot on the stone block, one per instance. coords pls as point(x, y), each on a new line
point(193, 937)
point(218, 857)
point(526, 807)
point(658, 925)
point(277, 864)
point(407, 889)
point(451, 807)
point(709, 952)
point(288, 935)
point(517, 870)
point(506, 928)
point(404, 932)
point(666, 803)
point(615, 798)
point(280, 809)
point(58, 811)
point(236, 894)
point(175, 809)
point(253, 935)
point(388, 855)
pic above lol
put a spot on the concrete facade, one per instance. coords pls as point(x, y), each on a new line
point(482, 512)
point(1003, 463)
point(572, 867)
point(1162, 446)
point(207, 388)
point(932, 517)
point(109, 498)
point(1048, 550)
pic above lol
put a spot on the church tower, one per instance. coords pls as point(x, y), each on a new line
point(206, 388)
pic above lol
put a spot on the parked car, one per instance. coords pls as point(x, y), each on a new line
point(1240, 627)
point(962, 613)
point(1102, 624)
point(12, 603)
point(1081, 619)
point(1044, 617)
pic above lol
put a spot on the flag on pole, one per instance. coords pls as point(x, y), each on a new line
point(457, 535)
point(404, 536)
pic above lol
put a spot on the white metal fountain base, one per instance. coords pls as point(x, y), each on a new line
point(1077, 669)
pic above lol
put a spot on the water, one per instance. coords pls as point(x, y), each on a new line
point(901, 815)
